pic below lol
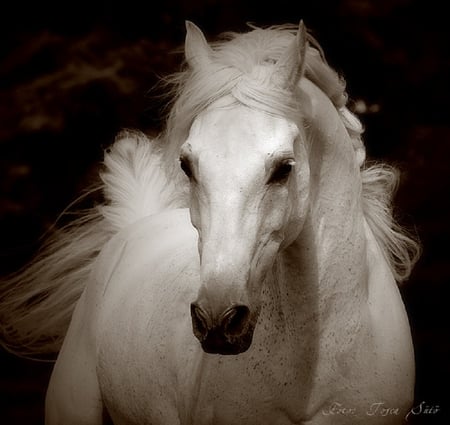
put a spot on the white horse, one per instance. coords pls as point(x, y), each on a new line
point(255, 284)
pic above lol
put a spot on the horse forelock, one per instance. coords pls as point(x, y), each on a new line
point(241, 66)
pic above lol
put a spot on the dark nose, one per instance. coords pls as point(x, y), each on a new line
point(230, 333)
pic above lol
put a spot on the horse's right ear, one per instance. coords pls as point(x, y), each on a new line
point(196, 48)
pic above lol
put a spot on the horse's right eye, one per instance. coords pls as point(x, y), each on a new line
point(186, 167)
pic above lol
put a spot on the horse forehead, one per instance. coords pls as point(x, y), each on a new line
point(239, 129)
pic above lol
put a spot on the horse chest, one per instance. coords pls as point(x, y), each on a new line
point(158, 383)
point(248, 389)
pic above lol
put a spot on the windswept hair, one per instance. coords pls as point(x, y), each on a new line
point(37, 303)
point(379, 184)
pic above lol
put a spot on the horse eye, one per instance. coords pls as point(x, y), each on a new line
point(186, 167)
point(281, 172)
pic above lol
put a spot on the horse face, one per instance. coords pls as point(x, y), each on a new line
point(248, 198)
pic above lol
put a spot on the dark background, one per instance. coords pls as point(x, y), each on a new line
point(72, 74)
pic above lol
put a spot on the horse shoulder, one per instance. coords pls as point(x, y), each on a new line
point(376, 366)
point(73, 395)
point(389, 330)
point(142, 316)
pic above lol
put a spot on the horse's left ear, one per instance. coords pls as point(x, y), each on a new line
point(196, 48)
point(291, 65)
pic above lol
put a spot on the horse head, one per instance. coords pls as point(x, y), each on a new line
point(249, 181)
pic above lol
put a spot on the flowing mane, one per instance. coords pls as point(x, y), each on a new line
point(141, 178)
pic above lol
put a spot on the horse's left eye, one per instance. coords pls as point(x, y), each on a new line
point(281, 172)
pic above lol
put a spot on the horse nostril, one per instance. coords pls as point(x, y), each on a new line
point(228, 333)
point(235, 320)
point(199, 322)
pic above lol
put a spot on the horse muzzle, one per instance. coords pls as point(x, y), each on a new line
point(229, 333)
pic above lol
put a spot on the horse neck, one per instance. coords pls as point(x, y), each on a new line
point(324, 272)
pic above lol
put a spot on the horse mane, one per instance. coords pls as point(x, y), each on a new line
point(400, 249)
point(143, 177)
point(37, 302)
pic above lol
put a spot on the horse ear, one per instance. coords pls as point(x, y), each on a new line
point(291, 66)
point(196, 48)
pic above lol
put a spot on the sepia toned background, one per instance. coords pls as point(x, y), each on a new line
point(72, 74)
